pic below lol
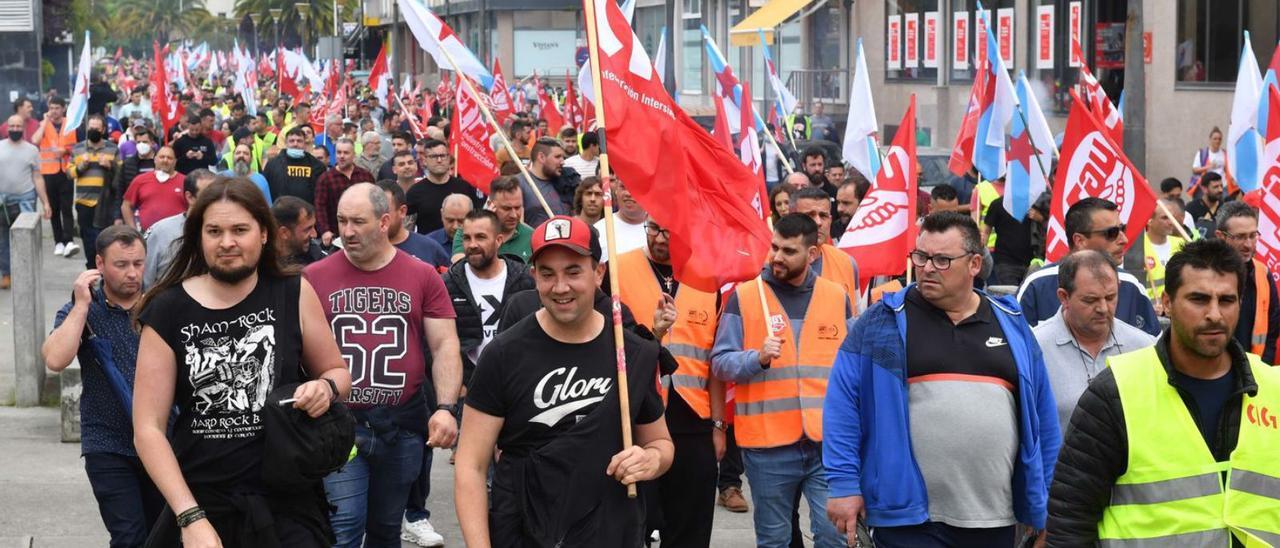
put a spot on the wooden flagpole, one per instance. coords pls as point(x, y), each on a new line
point(624, 395)
point(488, 116)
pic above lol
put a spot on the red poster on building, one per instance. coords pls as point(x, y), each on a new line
point(1075, 18)
point(1004, 35)
point(980, 37)
point(960, 41)
point(911, 35)
point(1108, 45)
point(931, 39)
point(1044, 37)
point(893, 49)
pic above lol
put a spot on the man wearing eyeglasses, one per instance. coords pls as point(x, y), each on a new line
point(684, 320)
point(426, 197)
point(957, 379)
point(1092, 223)
point(1259, 323)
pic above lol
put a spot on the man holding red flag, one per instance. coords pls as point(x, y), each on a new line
point(1093, 166)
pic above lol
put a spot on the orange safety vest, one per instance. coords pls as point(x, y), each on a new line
point(54, 148)
point(689, 340)
point(1258, 339)
point(783, 404)
point(838, 267)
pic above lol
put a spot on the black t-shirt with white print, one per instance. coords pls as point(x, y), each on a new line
point(542, 386)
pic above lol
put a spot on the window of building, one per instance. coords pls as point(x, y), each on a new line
point(691, 48)
point(1210, 35)
point(828, 29)
point(905, 39)
point(966, 34)
point(545, 41)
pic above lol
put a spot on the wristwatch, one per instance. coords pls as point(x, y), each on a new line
point(719, 425)
point(452, 408)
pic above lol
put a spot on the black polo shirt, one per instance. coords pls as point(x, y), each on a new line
point(976, 346)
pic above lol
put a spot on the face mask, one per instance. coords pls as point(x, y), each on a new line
point(295, 153)
point(162, 176)
point(15, 135)
point(144, 149)
point(94, 135)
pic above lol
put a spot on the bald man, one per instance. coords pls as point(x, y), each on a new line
point(454, 211)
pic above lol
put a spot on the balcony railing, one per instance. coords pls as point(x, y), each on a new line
point(826, 85)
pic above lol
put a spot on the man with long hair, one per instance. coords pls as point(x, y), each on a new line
point(224, 327)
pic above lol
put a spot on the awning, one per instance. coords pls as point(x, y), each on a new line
point(772, 14)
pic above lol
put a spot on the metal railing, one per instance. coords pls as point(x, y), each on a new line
point(827, 85)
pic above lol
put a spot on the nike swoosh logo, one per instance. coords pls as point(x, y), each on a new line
point(552, 416)
point(994, 342)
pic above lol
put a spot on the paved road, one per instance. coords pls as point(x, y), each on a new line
point(45, 499)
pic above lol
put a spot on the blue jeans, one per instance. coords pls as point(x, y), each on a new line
point(370, 491)
point(776, 475)
point(416, 509)
point(26, 202)
point(127, 500)
point(932, 534)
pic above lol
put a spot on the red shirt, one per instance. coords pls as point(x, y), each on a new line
point(377, 319)
point(153, 200)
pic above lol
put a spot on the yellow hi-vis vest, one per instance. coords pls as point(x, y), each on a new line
point(1172, 492)
point(987, 193)
point(1261, 303)
point(1155, 268)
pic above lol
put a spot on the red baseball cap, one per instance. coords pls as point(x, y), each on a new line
point(570, 233)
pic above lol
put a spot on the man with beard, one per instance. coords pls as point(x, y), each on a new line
point(263, 138)
point(295, 172)
point(1259, 323)
point(94, 163)
point(296, 224)
point(1174, 444)
point(957, 379)
point(195, 149)
point(155, 195)
point(1204, 210)
point(397, 405)
point(332, 184)
point(847, 201)
point(423, 248)
point(547, 168)
point(99, 312)
point(588, 200)
point(683, 319)
point(242, 166)
point(1077, 341)
point(426, 197)
point(792, 333)
point(164, 235)
point(832, 263)
point(506, 199)
point(370, 158)
point(544, 395)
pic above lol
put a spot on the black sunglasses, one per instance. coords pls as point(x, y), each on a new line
point(1109, 233)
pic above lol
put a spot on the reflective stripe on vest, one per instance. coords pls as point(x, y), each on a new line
point(1172, 492)
point(1261, 302)
point(783, 404)
point(1154, 267)
point(689, 340)
point(837, 266)
point(54, 148)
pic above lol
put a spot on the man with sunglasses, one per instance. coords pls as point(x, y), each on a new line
point(1092, 223)
point(1259, 323)
point(426, 197)
point(957, 379)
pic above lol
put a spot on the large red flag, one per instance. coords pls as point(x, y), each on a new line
point(721, 130)
point(547, 109)
point(962, 153)
point(380, 78)
point(500, 97)
point(572, 110)
point(166, 108)
point(1268, 203)
point(1093, 164)
point(688, 182)
point(287, 84)
point(476, 162)
point(882, 231)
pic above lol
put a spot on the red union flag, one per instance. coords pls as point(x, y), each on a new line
point(499, 97)
point(881, 232)
point(687, 181)
point(1093, 165)
point(476, 162)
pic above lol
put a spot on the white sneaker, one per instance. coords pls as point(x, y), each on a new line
point(60, 250)
point(71, 250)
point(420, 533)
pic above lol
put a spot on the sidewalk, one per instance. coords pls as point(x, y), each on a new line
point(45, 499)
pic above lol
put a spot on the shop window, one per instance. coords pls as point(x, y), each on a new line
point(1210, 35)
point(905, 40)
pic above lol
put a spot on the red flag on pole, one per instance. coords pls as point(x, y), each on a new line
point(572, 110)
point(166, 108)
point(287, 85)
point(1094, 165)
point(476, 162)
point(687, 181)
point(962, 153)
point(721, 130)
point(380, 78)
point(1267, 199)
point(500, 97)
point(882, 231)
point(547, 109)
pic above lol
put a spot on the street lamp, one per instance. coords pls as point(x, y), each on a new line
point(303, 9)
point(255, 18)
point(275, 16)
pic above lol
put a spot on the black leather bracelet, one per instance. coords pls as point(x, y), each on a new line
point(191, 515)
point(333, 389)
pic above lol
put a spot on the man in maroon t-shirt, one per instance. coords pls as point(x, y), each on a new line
point(382, 305)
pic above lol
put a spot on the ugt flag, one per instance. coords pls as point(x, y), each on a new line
point(499, 97)
point(688, 182)
point(476, 162)
point(882, 231)
point(1093, 165)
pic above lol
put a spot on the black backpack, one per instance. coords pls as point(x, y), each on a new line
point(299, 450)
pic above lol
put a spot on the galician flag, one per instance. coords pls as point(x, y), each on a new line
point(860, 144)
point(1030, 153)
point(79, 106)
point(1244, 143)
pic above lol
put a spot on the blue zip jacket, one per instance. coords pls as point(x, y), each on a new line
point(866, 430)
